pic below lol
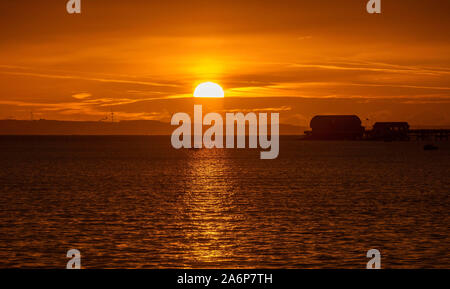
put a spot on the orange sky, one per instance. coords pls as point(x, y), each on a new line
point(142, 58)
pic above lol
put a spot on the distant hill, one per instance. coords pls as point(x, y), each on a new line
point(53, 127)
point(132, 127)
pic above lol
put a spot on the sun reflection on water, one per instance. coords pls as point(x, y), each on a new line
point(208, 206)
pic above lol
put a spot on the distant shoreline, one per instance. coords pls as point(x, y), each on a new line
point(92, 128)
point(10, 127)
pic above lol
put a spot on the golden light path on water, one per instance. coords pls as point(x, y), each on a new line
point(208, 202)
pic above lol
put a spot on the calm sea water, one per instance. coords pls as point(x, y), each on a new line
point(134, 202)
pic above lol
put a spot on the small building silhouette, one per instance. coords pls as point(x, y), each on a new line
point(393, 131)
point(337, 127)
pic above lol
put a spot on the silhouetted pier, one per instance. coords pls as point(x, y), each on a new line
point(408, 134)
point(348, 127)
point(429, 134)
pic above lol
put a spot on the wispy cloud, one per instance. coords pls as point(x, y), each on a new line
point(78, 77)
point(262, 109)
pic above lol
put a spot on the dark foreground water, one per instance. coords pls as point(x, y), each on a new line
point(134, 202)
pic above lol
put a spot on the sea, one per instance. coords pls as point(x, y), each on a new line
point(135, 202)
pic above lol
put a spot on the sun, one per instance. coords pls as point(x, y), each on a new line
point(209, 89)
